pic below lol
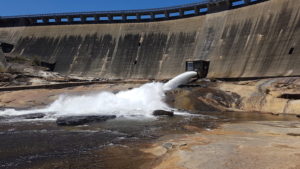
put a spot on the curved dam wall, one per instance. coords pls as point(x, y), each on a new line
point(260, 40)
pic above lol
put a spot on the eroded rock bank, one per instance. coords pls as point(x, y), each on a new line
point(247, 145)
point(273, 95)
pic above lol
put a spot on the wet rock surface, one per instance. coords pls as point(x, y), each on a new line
point(247, 145)
point(163, 113)
point(121, 142)
point(273, 95)
point(30, 116)
point(26, 116)
point(80, 120)
point(203, 99)
point(112, 144)
point(6, 77)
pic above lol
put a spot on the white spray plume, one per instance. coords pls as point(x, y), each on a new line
point(141, 102)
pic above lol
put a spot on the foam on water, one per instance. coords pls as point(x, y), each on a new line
point(137, 102)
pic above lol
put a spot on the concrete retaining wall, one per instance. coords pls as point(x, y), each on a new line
point(254, 41)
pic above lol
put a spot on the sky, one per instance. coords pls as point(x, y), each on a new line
point(24, 7)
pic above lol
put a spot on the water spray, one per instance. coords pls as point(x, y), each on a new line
point(137, 102)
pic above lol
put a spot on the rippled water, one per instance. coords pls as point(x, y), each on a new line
point(111, 144)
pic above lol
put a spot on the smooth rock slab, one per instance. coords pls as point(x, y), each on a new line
point(80, 120)
point(25, 116)
point(31, 116)
point(163, 113)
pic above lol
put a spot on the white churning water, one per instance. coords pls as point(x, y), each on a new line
point(141, 102)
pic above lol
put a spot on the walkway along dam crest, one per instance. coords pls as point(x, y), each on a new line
point(240, 39)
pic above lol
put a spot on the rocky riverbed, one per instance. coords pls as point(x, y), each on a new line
point(273, 95)
point(228, 128)
point(207, 140)
point(247, 145)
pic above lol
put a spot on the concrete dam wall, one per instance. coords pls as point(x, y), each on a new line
point(259, 40)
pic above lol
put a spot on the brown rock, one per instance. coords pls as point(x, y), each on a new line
point(163, 113)
point(80, 120)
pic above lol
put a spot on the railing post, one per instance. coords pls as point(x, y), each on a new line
point(83, 19)
point(45, 20)
point(57, 20)
point(181, 12)
point(70, 19)
point(123, 17)
point(167, 14)
point(196, 10)
point(229, 4)
point(30, 21)
point(247, 2)
point(152, 16)
point(138, 17)
point(110, 18)
point(97, 18)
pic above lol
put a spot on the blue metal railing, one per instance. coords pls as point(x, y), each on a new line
point(203, 2)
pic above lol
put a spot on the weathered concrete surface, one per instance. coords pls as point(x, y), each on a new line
point(244, 145)
point(252, 41)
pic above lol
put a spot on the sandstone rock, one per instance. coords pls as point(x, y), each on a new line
point(6, 77)
point(168, 146)
point(163, 113)
point(80, 120)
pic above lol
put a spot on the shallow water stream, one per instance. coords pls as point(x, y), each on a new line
point(111, 144)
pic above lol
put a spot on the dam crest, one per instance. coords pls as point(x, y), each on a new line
point(144, 15)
